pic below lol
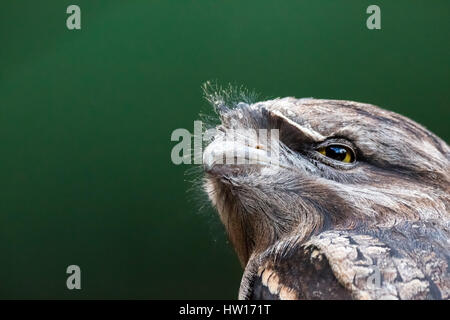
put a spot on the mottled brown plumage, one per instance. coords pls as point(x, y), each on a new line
point(313, 227)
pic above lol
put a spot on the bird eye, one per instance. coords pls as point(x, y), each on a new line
point(338, 153)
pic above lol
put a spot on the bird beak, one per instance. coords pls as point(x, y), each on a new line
point(226, 155)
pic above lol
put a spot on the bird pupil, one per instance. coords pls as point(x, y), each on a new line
point(336, 153)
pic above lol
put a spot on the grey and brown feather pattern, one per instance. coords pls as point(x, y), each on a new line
point(311, 227)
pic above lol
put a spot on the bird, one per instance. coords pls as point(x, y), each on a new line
point(354, 207)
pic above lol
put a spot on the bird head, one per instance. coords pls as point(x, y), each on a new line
point(289, 168)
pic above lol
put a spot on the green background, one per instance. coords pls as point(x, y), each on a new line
point(86, 118)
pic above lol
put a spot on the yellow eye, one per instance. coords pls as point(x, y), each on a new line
point(338, 153)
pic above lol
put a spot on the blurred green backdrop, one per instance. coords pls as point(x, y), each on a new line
point(86, 118)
